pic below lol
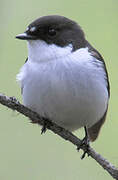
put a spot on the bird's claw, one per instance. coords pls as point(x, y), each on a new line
point(44, 128)
point(85, 143)
point(14, 99)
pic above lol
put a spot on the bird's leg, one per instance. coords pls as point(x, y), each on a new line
point(44, 128)
point(86, 140)
point(85, 143)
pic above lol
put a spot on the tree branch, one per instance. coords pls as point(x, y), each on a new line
point(13, 104)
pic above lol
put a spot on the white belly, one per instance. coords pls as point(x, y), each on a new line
point(72, 93)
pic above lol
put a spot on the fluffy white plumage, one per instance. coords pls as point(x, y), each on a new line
point(67, 87)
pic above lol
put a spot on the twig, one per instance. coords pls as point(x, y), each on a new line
point(13, 104)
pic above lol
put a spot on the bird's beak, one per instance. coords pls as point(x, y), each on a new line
point(25, 36)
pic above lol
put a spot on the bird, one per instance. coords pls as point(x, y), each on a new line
point(64, 77)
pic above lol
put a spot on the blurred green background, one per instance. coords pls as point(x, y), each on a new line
point(24, 153)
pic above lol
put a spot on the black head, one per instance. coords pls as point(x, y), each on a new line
point(55, 29)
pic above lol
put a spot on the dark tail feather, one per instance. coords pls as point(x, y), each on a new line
point(93, 131)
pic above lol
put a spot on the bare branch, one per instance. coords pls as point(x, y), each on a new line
point(13, 104)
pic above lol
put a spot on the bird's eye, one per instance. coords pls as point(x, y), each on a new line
point(51, 32)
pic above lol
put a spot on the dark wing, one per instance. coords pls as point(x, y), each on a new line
point(98, 56)
point(26, 60)
point(95, 129)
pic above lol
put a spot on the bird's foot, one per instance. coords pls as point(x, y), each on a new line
point(44, 128)
point(14, 99)
point(85, 143)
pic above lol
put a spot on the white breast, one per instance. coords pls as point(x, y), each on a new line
point(67, 87)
